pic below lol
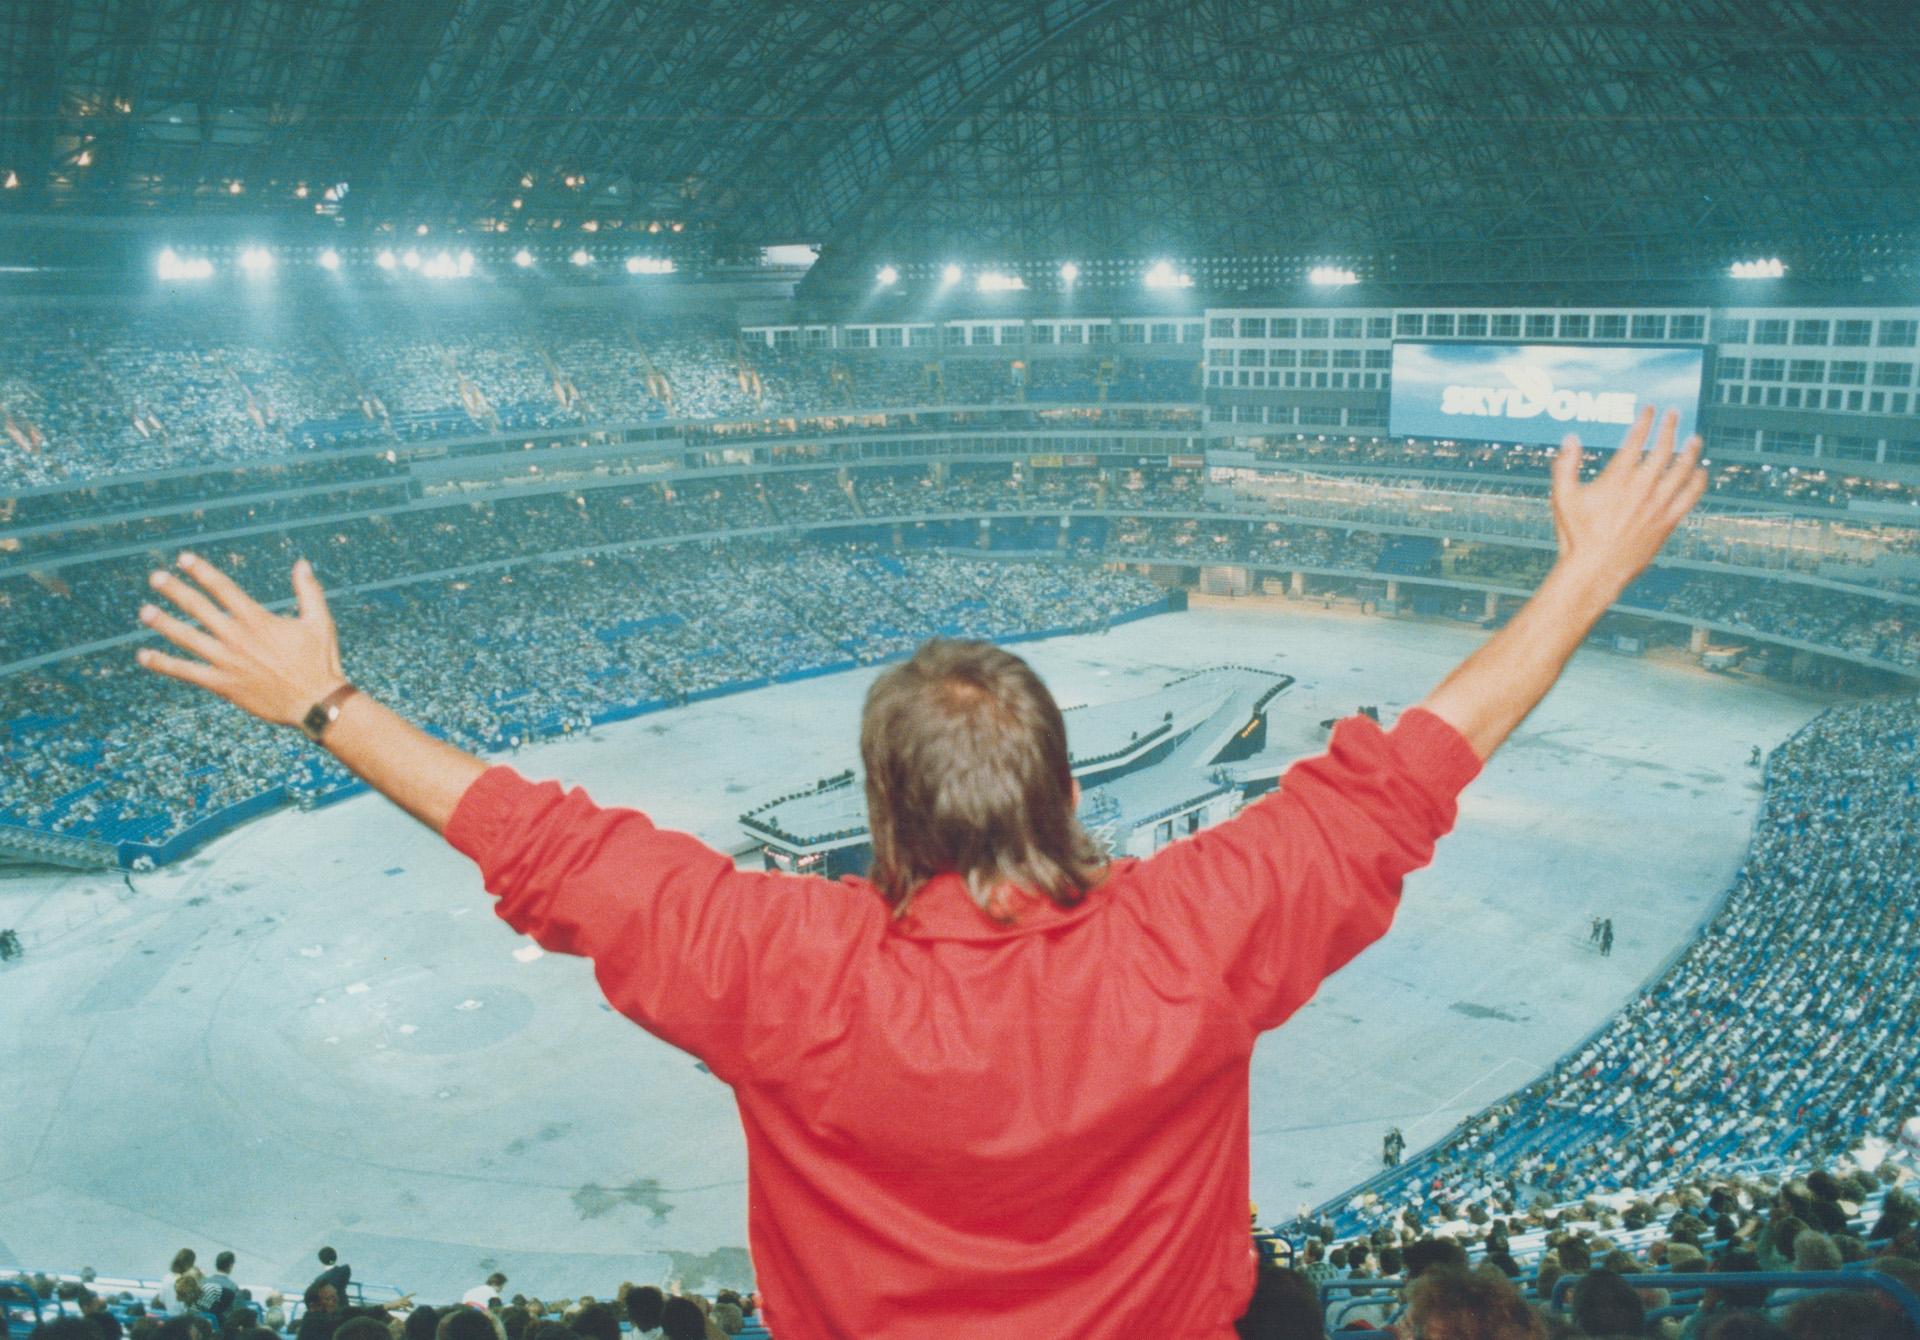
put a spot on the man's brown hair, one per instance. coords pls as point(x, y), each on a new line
point(967, 771)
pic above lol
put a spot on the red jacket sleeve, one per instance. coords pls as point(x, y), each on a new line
point(706, 956)
point(1284, 894)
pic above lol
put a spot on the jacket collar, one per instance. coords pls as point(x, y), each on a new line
point(942, 910)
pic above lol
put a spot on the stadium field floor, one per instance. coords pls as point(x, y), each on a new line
point(314, 1031)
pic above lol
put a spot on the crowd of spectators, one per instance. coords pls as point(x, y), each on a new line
point(1801, 485)
point(1612, 1266)
point(188, 1303)
point(90, 746)
point(1781, 1035)
point(1794, 1249)
point(93, 394)
point(63, 585)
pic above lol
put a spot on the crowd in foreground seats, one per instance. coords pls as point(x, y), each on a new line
point(1620, 1267)
point(1784, 1032)
point(91, 747)
point(1613, 1265)
point(190, 1304)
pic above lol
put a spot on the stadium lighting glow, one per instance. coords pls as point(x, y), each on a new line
point(445, 265)
point(172, 266)
point(951, 275)
point(1331, 275)
point(648, 265)
point(993, 282)
point(582, 257)
point(888, 276)
point(1161, 274)
point(329, 259)
point(386, 260)
point(256, 260)
point(1069, 273)
point(1771, 268)
point(523, 258)
point(633, 265)
point(13, 180)
point(410, 258)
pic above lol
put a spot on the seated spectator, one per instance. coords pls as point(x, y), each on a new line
point(1842, 1314)
point(1720, 1302)
point(1285, 1306)
point(1448, 1303)
point(1604, 1304)
point(681, 1319)
point(643, 1308)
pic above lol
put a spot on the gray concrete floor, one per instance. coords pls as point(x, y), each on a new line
point(316, 1032)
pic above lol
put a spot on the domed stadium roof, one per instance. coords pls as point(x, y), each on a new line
point(1513, 139)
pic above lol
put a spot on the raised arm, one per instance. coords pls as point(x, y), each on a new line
point(1609, 530)
point(278, 666)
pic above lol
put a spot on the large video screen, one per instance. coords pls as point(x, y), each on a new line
point(1538, 393)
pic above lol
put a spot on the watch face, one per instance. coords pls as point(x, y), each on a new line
point(315, 721)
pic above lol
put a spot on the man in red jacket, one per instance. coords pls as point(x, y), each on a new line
point(1000, 1087)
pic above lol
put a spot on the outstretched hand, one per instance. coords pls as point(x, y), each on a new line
point(1612, 527)
point(274, 666)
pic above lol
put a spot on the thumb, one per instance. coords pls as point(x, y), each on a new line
point(306, 590)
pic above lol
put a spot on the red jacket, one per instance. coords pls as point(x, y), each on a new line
point(961, 1129)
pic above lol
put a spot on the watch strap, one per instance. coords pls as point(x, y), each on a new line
point(322, 714)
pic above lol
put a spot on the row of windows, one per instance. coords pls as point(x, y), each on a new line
point(1812, 397)
point(1322, 381)
point(1302, 416)
point(1300, 328)
point(964, 334)
point(1842, 371)
point(1837, 446)
point(1856, 333)
point(1378, 359)
point(1551, 325)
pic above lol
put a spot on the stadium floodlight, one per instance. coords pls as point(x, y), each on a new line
point(1069, 273)
point(1161, 274)
point(410, 258)
point(991, 281)
point(952, 274)
point(888, 276)
point(466, 264)
point(256, 260)
point(523, 258)
point(386, 260)
point(329, 259)
point(173, 266)
point(1770, 268)
point(582, 257)
point(633, 265)
point(1331, 275)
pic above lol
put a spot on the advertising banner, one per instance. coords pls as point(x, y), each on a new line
point(1538, 393)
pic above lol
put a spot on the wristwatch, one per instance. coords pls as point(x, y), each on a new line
point(323, 713)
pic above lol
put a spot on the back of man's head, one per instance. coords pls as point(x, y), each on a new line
point(1284, 1306)
point(328, 1256)
point(643, 1307)
point(1744, 1295)
point(223, 1262)
point(680, 1319)
point(1605, 1304)
point(1427, 1253)
point(1839, 1314)
point(968, 773)
point(1449, 1303)
point(596, 1321)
